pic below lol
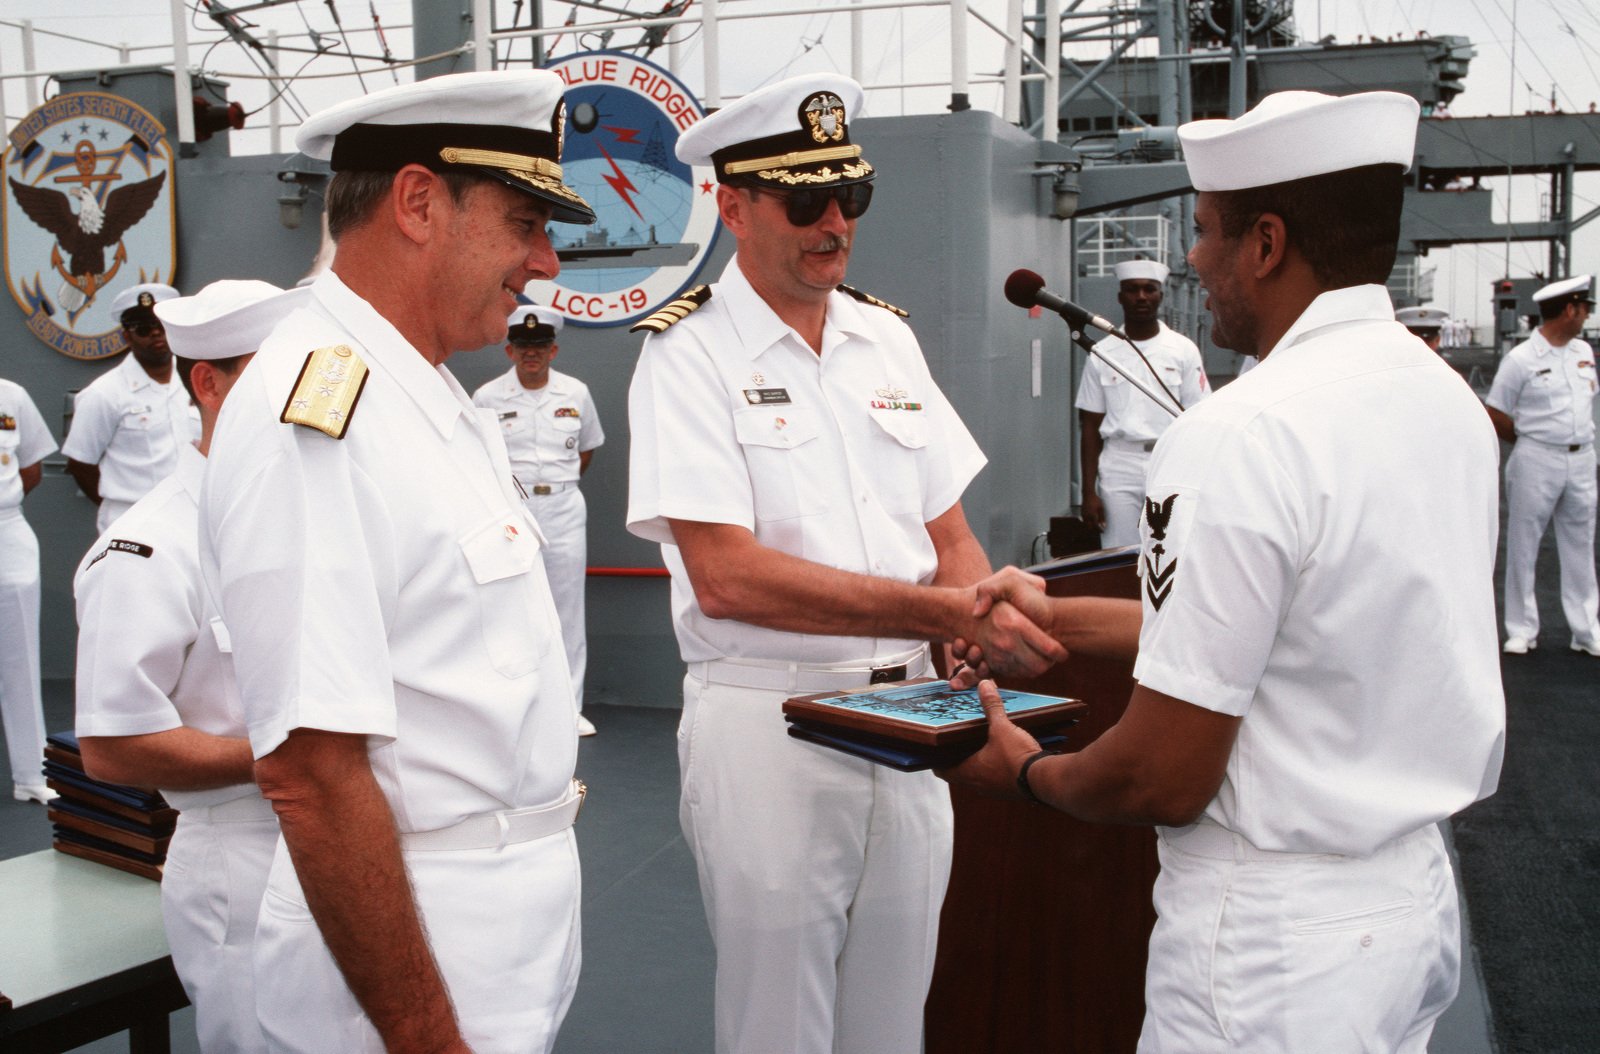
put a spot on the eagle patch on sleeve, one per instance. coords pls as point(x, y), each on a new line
point(326, 392)
point(1160, 567)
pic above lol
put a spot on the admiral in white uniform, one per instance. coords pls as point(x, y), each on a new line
point(803, 474)
point(1317, 678)
point(24, 442)
point(157, 704)
point(551, 431)
point(130, 422)
point(1542, 400)
point(398, 653)
point(1119, 423)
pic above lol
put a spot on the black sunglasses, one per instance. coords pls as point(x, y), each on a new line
point(805, 207)
point(146, 329)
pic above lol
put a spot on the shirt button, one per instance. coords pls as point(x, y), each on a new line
point(1366, 940)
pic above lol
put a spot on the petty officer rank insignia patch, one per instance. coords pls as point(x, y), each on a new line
point(674, 312)
point(1158, 578)
point(868, 298)
point(326, 391)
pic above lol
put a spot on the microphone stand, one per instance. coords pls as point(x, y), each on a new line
point(1087, 345)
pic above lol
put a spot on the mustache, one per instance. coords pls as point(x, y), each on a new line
point(832, 243)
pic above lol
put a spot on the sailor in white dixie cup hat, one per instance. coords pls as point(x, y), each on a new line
point(1317, 552)
point(1119, 424)
point(803, 474)
point(157, 703)
point(398, 653)
point(1542, 400)
point(130, 422)
point(552, 430)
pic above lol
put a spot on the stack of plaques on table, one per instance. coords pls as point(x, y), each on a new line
point(922, 723)
point(121, 827)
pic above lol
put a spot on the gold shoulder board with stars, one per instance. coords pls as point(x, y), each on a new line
point(675, 311)
point(326, 391)
point(868, 298)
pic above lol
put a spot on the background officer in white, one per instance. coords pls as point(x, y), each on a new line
point(398, 653)
point(1316, 682)
point(157, 703)
point(1119, 423)
point(1425, 323)
point(129, 423)
point(1542, 401)
point(25, 441)
point(551, 430)
point(803, 474)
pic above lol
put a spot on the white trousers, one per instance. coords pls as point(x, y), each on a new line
point(503, 925)
point(21, 704)
point(1545, 484)
point(822, 877)
point(1121, 486)
point(564, 519)
point(109, 512)
point(211, 892)
point(1316, 954)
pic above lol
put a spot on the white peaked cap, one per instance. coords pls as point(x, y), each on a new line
point(1583, 283)
point(1422, 317)
point(226, 318)
point(792, 134)
point(532, 320)
point(1153, 270)
point(1295, 134)
point(146, 294)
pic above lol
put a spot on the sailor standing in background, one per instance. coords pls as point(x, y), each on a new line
point(157, 702)
point(24, 442)
point(397, 649)
point(1425, 323)
point(129, 423)
point(551, 431)
point(1119, 423)
point(1542, 400)
point(1316, 683)
point(803, 474)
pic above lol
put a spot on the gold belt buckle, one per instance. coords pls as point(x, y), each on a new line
point(542, 489)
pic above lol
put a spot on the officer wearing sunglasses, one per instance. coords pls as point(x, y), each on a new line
point(803, 475)
point(130, 422)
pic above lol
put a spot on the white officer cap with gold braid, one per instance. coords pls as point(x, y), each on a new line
point(1422, 317)
point(795, 133)
point(508, 124)
point(1292, 135)
point(1580, 288)
point(533, 324)
point(227, 318)
point(135, 303)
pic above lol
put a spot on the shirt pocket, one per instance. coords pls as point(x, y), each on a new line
point(501, 555)
point(896, 458)
point(775, 441)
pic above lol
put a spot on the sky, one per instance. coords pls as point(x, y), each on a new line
point(1528, 51)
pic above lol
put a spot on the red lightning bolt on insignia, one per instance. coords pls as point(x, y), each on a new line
point(624, 135)
point(620, 183)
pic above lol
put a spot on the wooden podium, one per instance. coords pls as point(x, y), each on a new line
point(1043, 936)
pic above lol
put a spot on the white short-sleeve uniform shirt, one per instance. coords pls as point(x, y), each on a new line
point(545, 429)
point(1129, 413)
point(840, 458)
point(24, 440)
point(132, 428)
point(1548, 392)
point(387, 583)
point(1317, 555)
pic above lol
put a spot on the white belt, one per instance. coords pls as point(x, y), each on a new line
point(541, 490)
point(1129, 446)
point(1570, 448)
point(496, 830)
point(251, 807)
point(811, 677)
point(1212, 840)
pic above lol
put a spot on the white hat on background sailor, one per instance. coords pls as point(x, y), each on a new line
point(533, 324)
point(1293, 135)
point(227, 318)
point(1422, 318)
point(1579, 289)
point(506, 124)
point(1141, 270)
point(135, 304)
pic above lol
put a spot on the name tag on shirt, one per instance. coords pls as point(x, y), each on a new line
point(508, 415)
point(766, 396)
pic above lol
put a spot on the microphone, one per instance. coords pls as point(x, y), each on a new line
point(1026, 289)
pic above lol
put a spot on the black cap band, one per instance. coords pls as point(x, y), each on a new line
point(389, 148)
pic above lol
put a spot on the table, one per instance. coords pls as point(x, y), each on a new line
point(82, 955)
